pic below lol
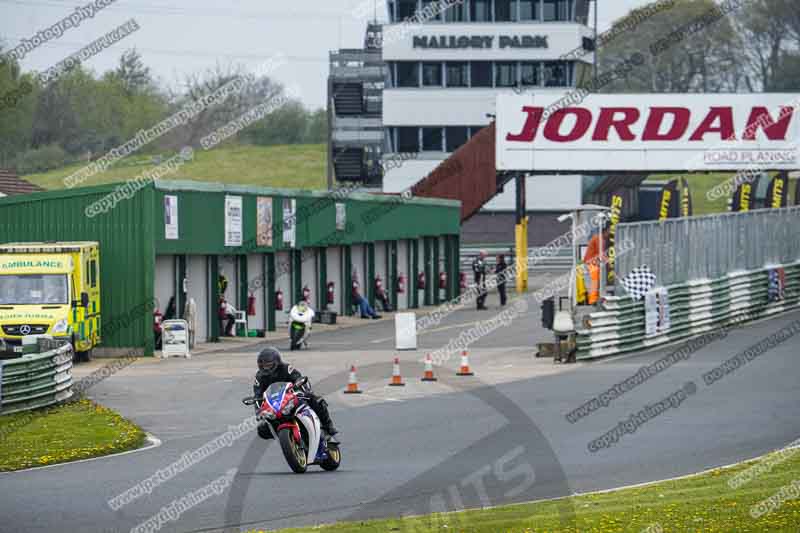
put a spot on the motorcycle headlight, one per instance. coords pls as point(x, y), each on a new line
point(61, 326)
point(269, 414)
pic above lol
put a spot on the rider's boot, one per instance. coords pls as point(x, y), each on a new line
point(325, 418)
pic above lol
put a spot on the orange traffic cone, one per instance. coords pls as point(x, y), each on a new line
point(397, 379)
point(464, 370)
point(352, 382)
point(428, 375)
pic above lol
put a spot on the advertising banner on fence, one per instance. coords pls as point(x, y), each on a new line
point(668, 207)
point(778, 192)
point(797, 192)
point(686, 209)
point(656, 312)
point(647, 132)
point(744, 198)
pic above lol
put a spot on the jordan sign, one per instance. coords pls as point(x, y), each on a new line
point(647, 132)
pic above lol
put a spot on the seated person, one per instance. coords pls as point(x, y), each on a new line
point(383, 298)
point(363, 305)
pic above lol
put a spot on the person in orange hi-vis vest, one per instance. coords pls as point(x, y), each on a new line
point(592, 260)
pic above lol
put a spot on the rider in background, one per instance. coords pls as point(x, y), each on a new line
point(271, 369)
point(302, 312)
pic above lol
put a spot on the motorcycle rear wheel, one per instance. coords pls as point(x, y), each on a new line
point(292, 451)
point(334, 459)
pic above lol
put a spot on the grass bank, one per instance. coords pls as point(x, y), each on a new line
point(699, 503)
point(296, 166)
point(68, 432)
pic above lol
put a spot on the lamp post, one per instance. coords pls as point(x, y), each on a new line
point(596, 2)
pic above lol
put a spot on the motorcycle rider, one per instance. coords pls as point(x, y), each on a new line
point(271, 369)
point(301, 312)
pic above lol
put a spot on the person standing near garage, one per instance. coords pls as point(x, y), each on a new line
point(479, 270)
point(226, 312)
point(499, 270)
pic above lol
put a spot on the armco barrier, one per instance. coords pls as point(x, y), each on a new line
point(538, 258)
point(36, 380)
point(695, 307)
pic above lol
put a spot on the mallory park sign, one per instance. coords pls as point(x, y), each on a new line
point(479, 41)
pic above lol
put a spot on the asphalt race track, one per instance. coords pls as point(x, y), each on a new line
point(475, 442)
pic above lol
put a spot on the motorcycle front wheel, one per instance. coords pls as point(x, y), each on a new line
point(294, 339)
point(292, 451)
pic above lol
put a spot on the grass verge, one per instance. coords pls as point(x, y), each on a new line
point(699, 503)
point(296, 166)
point(68, 432)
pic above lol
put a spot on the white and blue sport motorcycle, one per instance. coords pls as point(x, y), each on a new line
point(296, 426)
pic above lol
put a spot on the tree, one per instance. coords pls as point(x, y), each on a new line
point(82, 114)
point(18, 95)
point(317, 127)
point(285, 125)
point(254, 91)
point(767, 28)
point(789, 78)
point(698, 60)
point(133, 74)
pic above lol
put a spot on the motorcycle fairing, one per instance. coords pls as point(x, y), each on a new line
point(310, 421)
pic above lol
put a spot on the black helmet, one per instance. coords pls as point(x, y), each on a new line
point(269, 359)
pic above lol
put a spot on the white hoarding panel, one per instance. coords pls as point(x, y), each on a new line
point(647, 132)
point(405, 327)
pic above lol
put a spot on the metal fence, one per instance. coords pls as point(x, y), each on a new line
point(709, 247)
point(545, 259)
point(36, 380)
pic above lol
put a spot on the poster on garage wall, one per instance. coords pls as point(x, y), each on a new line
point(264, 221)
point(170, 217)
point(233, 221)
point(341, 217)
point(289, 221)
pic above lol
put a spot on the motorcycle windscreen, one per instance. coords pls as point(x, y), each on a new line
point(275, 394)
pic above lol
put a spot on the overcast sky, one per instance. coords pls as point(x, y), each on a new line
point(185, 36)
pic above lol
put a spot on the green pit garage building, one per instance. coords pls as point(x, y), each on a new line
point(173, 238)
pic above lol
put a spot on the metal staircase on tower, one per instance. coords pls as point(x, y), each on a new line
point(355, 106)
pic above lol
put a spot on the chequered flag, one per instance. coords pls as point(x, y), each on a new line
point(639, 281)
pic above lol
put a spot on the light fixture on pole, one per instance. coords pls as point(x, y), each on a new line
point(596, 2)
